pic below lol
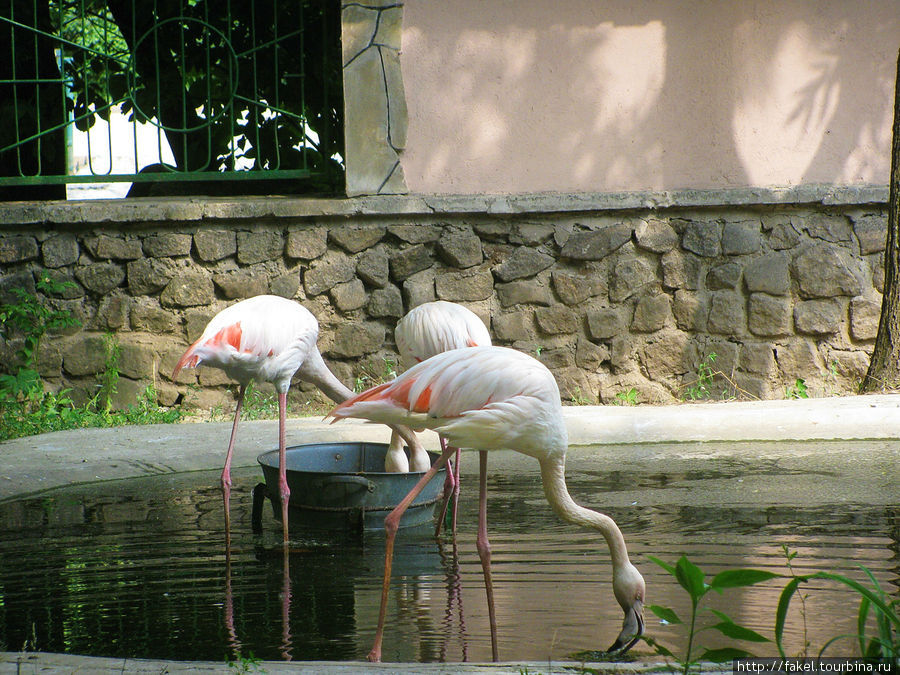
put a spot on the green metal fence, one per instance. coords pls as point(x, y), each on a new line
point(196, 90)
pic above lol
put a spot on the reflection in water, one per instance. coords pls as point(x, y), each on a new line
point(146, 568)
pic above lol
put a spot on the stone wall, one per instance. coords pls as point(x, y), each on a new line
point(609, 298)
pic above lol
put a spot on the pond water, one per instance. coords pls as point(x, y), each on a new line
point(140, 568)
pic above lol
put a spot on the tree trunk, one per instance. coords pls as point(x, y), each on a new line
point(884, 368)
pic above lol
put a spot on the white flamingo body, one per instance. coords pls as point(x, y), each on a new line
point(492, 398)
point(267, 339)
point(437, 327)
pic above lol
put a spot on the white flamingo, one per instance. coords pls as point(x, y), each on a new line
point(492, 398)
point(265, 339)
point(427, 330)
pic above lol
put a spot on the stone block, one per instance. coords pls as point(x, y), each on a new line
point(18, 249)
point(530, 292)
point(493, 231)
point(590, 356)
point(825, 270)
point(870, 230)
point(782, 234)
point(556, 358)
point(651, 313)
point(100, 278)
point(385, 302)
point(798, 357)
point(531, 234)
point(354, 340)
point(59, 250)
point(112, 313)
point(605, 323)
point(513, 326)
point(575, 288)
point(690, 310)
point(167, 245)
point(188, 289)
point(596, 244)
point(468, 285)
point(723, 277)
point(195, 321)
point(240, 284)
point(655, 235)
point(138, 357)
point(149, 276)
point(741, 238)
point(628, 277)
point(348, 296)
point(524, 262)
point(818, 317)
point(419, 289)
point(556, 320)
point(23, 281)
point(285, 285)
point(84, 354)
point(150, 318)
point(330, 270)
point(72, 288)
point(865, 315)
point(215, 245)
point(307, 244)
point(410, 260)
point(726, 313)
point(373, 267)
point(460, 247)
point(769, 315)
point(259, 246)
point(415, 234)
point(106, 247)
point(702, 238)
point(768, 274)
point(824, 226)
point(681, 270)
point(757, 358)
point(667, 354)
point(356, 239)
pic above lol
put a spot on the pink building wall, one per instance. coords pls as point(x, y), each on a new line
point(508, 96)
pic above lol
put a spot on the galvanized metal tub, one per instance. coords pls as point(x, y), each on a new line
point(344, 486)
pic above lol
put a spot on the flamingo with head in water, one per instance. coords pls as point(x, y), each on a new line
point(492, 398)
point(427, 330)
point(266, 338)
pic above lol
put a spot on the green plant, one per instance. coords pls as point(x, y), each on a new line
point(577, 398)
point(705, 375)
point(245, 664)
point(259, 405)
point(797, 390)
point(31, 318)
point(885, 644)
point(374, 372)
point(693, 580)
point(629, 397)
point(789, 557)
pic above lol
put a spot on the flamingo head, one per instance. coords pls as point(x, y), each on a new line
point(628, 586)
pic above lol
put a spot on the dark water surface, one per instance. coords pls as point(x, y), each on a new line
point(140, 568)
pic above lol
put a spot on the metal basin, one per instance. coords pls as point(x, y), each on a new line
point(343, 486)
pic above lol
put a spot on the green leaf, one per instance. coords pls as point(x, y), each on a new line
point(784, 602)
point(723, 655)
point(741, 577)
point(665, 613)
point(733, 630)
point(666, 566)
point(690, 577)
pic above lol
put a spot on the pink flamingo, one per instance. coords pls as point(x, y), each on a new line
point(425, 331)
point(492, 398)
point(266, 339)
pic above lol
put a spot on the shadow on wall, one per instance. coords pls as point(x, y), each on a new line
point(637, 96)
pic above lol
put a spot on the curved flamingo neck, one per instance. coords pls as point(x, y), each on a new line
point(553, 476)
point(316, 372)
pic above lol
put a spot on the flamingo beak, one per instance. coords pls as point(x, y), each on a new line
point(632, 629)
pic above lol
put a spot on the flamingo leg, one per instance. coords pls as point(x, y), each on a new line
point(391, 525)
point(284, 490)
point(226, 470)
point(484, 549)
point(455, 490)
point(448, 491)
